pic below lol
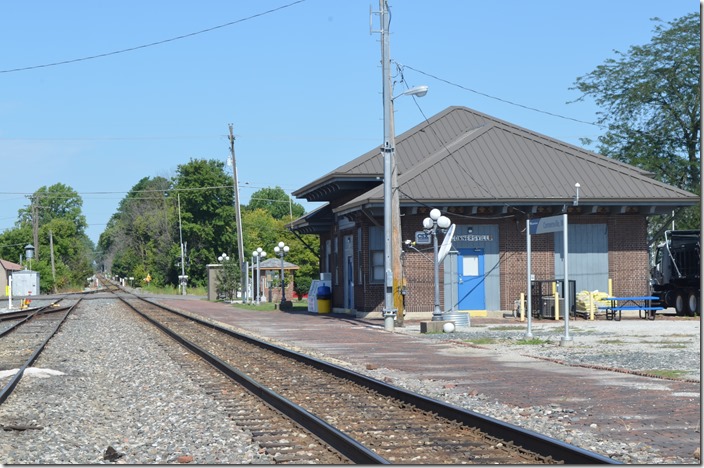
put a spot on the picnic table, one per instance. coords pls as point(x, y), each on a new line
point(643, 304)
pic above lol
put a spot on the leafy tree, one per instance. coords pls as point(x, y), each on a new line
point(207, 214)
point(138, 238)
point(56, 201)
point(276, 202)
point(650, 98)
point(60, 222)
point(261, 229)
point(228, 279)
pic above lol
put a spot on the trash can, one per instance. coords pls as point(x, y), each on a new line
point(324, 299)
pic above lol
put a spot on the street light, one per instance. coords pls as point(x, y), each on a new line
point(436, 222)
point(392, 215)
point(281, 250)
point(258, 254)
point(225, 258)
point(183, 278)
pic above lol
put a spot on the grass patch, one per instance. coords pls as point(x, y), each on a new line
point(194, 291)
point(673, 346)
point(531, 341)
point(481, 341)
point(615, 341)
point(507, 328)
point(668, 374)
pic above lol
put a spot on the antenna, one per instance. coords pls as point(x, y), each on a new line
point(446, 244)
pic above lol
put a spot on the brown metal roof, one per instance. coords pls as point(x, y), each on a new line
point(463, 156)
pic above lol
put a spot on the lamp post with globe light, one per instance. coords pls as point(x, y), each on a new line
point(258, 254)
point(431, 225)
point(281, 250)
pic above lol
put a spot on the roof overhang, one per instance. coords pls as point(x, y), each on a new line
point(337, 186)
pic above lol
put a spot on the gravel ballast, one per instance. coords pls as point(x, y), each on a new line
point(119, 390)
point(140, 403)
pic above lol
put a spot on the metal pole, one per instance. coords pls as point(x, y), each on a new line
point(283, 286)
point(567, 339)
point(182, 280)
point(389, 312)
point(437, 313)
point(259, 279)
point(529, 312)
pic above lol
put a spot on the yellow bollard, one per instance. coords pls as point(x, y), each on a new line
point(611, 288)
point(591, 306)
point(557, 301)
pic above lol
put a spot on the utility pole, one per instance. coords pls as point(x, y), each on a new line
point(51, 250)
point(35, 225)
point(238, 218)
point(389, 312)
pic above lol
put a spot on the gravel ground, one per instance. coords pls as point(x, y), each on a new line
point(666, 347)
point(140, 404)
point(671, 347)
point(135, 399)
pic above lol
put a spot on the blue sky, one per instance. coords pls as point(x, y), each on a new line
point(301, 85)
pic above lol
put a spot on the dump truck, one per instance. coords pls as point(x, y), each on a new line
point(675, 272)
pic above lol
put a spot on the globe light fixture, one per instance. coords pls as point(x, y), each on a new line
point(258, 255)
point(431, 225)
point(281, 250)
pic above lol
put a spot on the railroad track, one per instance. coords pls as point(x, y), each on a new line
point(24, 335)
point(362, 419)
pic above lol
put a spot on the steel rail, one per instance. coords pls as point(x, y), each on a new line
point(10, 386)
point(348, 447)
point(526, 438)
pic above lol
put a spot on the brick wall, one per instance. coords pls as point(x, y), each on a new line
point(628, 261)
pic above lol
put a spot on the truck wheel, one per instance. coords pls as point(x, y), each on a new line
point(692, 304)
point(679, 304)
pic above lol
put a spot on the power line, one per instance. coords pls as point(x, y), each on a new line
point(534, 109)
point(152, 44)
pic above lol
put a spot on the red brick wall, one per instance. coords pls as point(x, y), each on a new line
point(628, 261)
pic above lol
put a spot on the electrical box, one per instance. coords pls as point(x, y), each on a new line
point(25, 283)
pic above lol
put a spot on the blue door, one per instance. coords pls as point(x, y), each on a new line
point(470, 291)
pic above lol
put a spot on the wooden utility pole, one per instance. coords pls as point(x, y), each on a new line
point(238, 218)
point(35, 226)
point(51, 250)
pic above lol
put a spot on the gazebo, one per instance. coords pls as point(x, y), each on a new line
point(269, 273)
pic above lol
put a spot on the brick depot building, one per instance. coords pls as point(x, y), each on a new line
point(488, 176)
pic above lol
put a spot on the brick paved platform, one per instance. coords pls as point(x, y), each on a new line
point(660, 413)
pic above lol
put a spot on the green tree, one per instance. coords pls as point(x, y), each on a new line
point(276, 202)
point(261, 229)
point(56, 201)
point(228, 279)
point(138, 238)
point(207, 214)
point(61, 223)
point(650, 105)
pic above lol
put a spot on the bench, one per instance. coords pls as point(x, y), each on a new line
point(643, 304)
point(614, 313)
